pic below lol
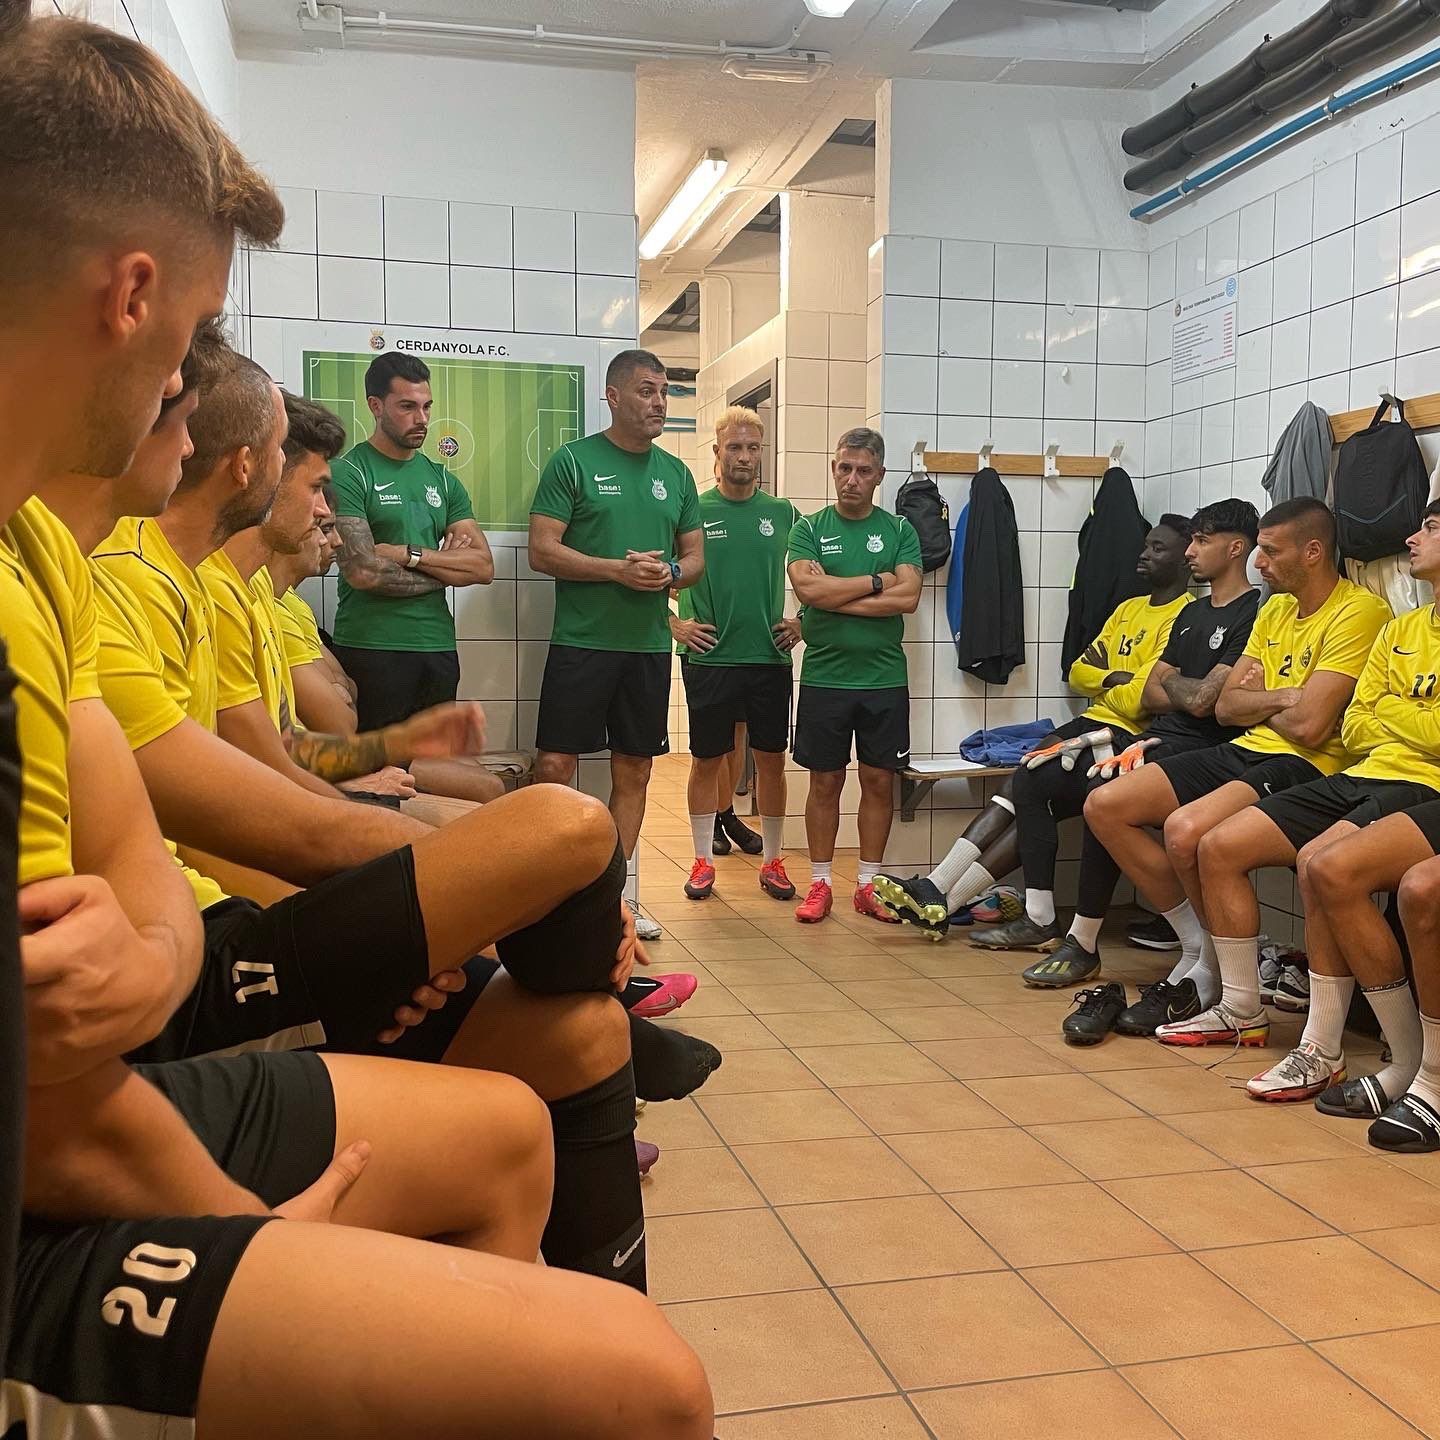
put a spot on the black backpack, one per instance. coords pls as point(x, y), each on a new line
point(1380, 487)
point(921, 503)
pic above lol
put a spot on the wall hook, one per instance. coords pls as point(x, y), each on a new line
point(1052, 470)
point(1116, 451)
point(986, 451)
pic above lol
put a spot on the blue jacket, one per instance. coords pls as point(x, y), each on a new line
point(1005, 744)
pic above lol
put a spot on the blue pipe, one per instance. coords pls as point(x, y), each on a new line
point(1333, 106)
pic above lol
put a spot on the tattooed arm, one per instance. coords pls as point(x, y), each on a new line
point(436, 733)
point(363, 569)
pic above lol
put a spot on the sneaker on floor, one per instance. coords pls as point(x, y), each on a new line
point(868, 903)
point(1219, 1025)
point(1272, 966)
point(1099, 1008)
point(1152, 933)
point(701, 881)
point(1411, 1126)
point(646, 1155)
point(775, 882)
point(816, 905)
point(720, 845)
point(998, 908)
point(1362, 1098)
point(1160, 1003)
point(1302, 1075)
point(748, 840)
point(1292, 990)
point(1067, 964)
point(1021, 934)
point(913, 898)
point(645, 927)
point(669, 994)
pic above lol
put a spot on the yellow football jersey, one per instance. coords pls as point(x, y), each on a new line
point(1394, 719)
point(299, 630)
point(248, 661)
point(1132, 639)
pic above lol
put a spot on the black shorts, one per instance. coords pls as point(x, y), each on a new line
point(326, 966)
point(1427, 821)
point(879, 721)
point(118, 1314)
point(392, 685)
point(1306, 811)
point(604, 700)
point(721, 696)
point(1196, 773)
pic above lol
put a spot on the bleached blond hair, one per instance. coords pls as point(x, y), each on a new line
point(737, 415)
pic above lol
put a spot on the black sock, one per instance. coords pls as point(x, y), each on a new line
point(728, 813)
point(669, 1064)
point(573, 947)
point(597, 1221)
point(638, 988)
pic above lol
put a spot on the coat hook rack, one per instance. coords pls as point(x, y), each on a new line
point(1051, 470)
point(1422, 411)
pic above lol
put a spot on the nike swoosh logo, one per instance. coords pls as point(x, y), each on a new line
point(620, 1259)
point(902, 754)
point(712, 524)
point(1396, 650)
point(384, 487)
point(599, 478)
point(828, 539)
point(1272, 642)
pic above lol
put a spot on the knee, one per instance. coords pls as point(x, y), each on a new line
point(826, 785)
point(1100, 812)
point(629, 772)
point(1183, 838)
point(1305, 871)
point(596, 1032)
point(1419, 894)
point(578, 824)
point(555, 769)
point(1325, 874)
point(676, 1391)
point(877, 785)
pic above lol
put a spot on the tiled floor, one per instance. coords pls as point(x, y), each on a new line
point(904, 1208)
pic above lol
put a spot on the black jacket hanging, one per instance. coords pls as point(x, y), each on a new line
point(991, 639)
point(1110, 540)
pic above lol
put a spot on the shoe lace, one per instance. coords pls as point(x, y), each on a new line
point(817, 891)
point(1089, 1001)
point(698, 869)
point(1301, 1066)
point(775, 867)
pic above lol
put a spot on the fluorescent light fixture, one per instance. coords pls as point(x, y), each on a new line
point(828, 9)
point(683, 203)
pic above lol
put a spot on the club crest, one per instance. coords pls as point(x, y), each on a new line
point(874, 544)
point(767, 526)
point(1218, 638)
point(432, 497)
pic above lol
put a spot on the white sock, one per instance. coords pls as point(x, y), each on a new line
point(1040, 906)
point(1205, 972)
point(1427, 1082)
point(962, 854)
point(1329, 1005)
point(974, 883)
point(1186, 924)
point(1085, 929)
point(867, 871)
point(1394, 1008)
point(1004, 802)
point(772, 828)
point(702, 832)
point(1239, 973)
point(820, 870)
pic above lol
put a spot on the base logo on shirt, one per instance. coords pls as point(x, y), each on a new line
point(432, 497)
point(658, 490)
point(767, 526)
point(874, 544)
point(1218, 638)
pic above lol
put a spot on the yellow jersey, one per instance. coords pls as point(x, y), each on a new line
point(1337, 637)
point(139, 555)
point(270, 628)
point(1132, 639)
point(48, 623)
point(299, 630)
point(132, 682)
point(249, 661)
point(1394, 719)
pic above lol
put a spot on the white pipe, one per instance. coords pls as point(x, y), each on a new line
point(313, 6)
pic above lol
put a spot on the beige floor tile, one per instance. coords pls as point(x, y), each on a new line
point(729, 1032)
point(1326, 1287)
point(1353, 1132)
point(1239, 1397)
point(1415, 1248)
point(735, 947)
point(946, 962)
point(846, 966)
point(789, 1349)
point(1049, 1099)
point(981, 1159)
point(1007, 990)
point(850, 1420)
point(896, 1064)
point(707, 930)
point(908, 1109)
point(1057, 1224)
point(1031, 1021)
point(904, 1238)
point(748, 1071)
point(944, 1022)
point(897, 994)
point(689, 1181)
point(808, 997)
point(780, 970)
point(1123, 1149)
point(1221, 1207)
point(1427, 1167)
point(799, 1171)
point(676, 1125)
point(1398, 1368)
point(1088, 1405)
point(985, 1059)
point(1359, 1194)
point(779, 1115)
point(962, 1328)
point(709, 999)
point(1176, 1089)
point(728, 1252)
point(1116, 1052)
point(1172, 1306)
point(830, 1027)
point(1264, 1134)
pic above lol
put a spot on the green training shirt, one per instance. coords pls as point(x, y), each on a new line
point(405, 502)
point(742, 592)
point(611, 501)
point(854, 652)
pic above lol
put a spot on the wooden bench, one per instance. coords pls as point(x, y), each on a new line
point(919, 777)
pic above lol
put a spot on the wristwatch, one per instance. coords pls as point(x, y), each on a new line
point(876, 585)
point(415, 552)
point(674, 573)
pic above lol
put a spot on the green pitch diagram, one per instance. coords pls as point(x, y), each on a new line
point(494, 425)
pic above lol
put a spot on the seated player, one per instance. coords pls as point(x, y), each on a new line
point(1289, 690)
point(1019, 824)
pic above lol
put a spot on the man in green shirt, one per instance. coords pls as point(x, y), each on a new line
point(409, 534)
point(856, 570)
point(734, 644)
point(616, 521)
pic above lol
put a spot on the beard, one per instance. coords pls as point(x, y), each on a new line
point(406, 440)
